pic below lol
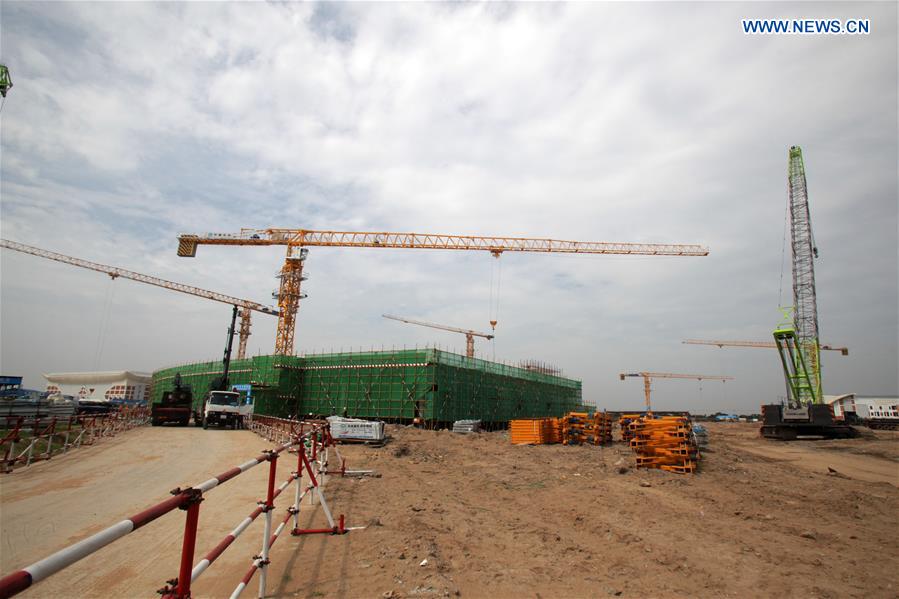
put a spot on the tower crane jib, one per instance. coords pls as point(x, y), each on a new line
point(758, 344)
point(245, 306)
point(469, 334)
point(301, 239)
point(648, 376)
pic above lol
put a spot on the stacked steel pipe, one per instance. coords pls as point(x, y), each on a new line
point(666, 443)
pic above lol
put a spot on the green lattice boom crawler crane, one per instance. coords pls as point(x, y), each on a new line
point(805, 413)
point(5, 80)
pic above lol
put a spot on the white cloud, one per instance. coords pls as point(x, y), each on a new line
point(131, 122)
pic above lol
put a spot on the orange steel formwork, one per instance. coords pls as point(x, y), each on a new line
point(575, 428)
point(665, 443)
point(532, 431)
point(624, 421)
point(579, 428)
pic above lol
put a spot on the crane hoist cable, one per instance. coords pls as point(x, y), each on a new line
point(490, 300)
point(783, 257)
point(496, 274)
point(104, 323)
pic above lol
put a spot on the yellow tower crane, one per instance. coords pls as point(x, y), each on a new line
point(759, 344)
point(648, 376)
point(245, 306)
point(298, 240)
point(469, 334)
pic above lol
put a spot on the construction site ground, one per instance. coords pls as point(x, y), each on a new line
point(473, 516)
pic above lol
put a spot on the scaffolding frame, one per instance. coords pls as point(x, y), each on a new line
point(431, 386)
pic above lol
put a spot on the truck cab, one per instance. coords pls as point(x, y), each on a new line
point(223, 408)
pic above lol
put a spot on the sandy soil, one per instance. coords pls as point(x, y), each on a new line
point(53, 504)
point(761, 518)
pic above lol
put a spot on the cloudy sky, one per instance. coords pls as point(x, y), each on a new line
point(130, 123)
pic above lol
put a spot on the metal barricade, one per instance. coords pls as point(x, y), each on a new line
point(310, 441)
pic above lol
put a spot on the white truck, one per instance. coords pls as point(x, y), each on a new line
point(223, 408)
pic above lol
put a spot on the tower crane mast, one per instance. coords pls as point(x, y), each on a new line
point(298, 240)
point(469, 334)
point(245, 306)
point(648, 376)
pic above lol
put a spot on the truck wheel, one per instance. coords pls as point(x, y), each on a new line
point(154, 422)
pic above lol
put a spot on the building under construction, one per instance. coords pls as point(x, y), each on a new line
point(432, 385)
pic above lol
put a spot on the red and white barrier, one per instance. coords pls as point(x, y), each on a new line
point(189, 499)
point(38, 571)
point(60, 434)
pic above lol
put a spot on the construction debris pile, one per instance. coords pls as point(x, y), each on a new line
point(575, 428)
point(666, 443)
point(701, 435)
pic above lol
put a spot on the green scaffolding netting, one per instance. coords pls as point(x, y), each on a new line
point(430, 384)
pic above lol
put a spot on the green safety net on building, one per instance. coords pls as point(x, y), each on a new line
point(433, 385)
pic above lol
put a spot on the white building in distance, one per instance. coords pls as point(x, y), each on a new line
point(101, 386)
point(863, 406)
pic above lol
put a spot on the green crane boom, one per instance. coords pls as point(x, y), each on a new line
point(5, 80)
point(798, 344)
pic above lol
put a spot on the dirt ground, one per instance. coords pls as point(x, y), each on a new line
point(474, 516)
